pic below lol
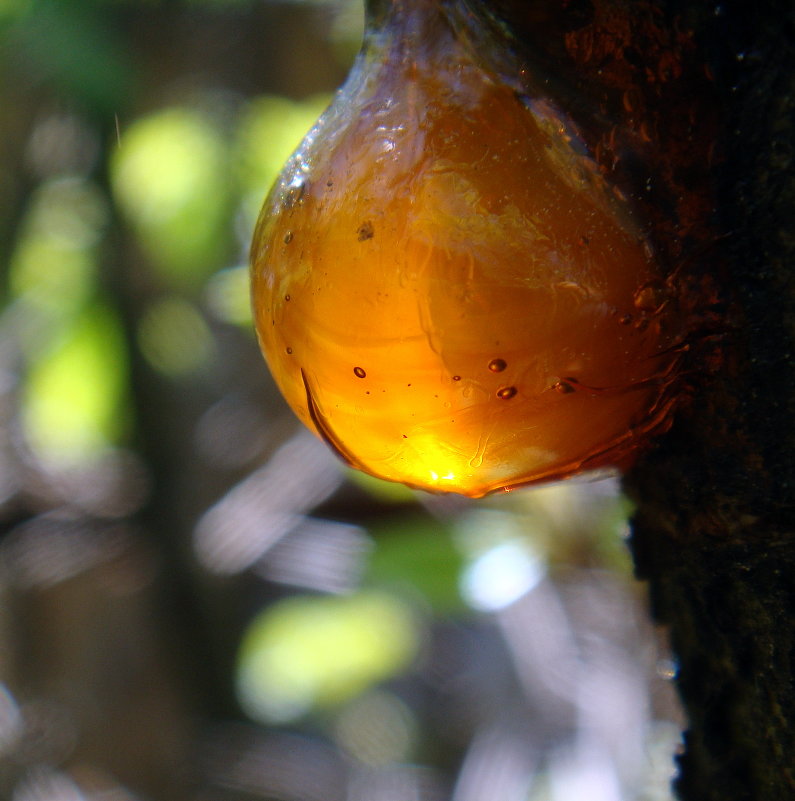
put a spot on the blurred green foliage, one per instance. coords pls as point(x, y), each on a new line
point(169, 177)
point(75, 402)
point(308, 653)
point(138, 398)
point(417, 554)
point(71, 46)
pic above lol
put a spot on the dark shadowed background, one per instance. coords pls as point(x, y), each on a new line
point(197, 601)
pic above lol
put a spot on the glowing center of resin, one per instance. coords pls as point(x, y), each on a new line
point(444, 289)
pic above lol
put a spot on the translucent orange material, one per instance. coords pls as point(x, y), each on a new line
point(444, 288)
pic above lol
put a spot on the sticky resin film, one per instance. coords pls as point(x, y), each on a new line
point(445, 289)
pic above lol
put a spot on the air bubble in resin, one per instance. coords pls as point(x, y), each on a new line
point(451, 225)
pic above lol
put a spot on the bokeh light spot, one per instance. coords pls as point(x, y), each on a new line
point(73, 398)
point(501, 576)
point(174, 338)
point(170, 178)
point(314, 652)
point(377, 729)
point(228, 296)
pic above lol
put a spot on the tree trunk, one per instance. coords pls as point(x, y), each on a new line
point(697, 100)
point(714, 530)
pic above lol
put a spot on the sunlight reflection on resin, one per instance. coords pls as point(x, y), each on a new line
point(444, 287)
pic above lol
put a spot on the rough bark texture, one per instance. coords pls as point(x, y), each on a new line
point(700, 99)
point(714, 532)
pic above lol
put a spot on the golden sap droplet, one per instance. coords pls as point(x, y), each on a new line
point(455, 227)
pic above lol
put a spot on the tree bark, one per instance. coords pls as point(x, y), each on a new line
point(697, 100)
point(714, 530)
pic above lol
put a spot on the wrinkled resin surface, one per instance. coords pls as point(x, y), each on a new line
point(444, 288)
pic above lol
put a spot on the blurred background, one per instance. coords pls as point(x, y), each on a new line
point(197, 601)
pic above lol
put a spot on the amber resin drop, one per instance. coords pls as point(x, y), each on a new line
point(444, 288)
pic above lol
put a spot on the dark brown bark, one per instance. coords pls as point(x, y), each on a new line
point(698, 99)
point(714, 529)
